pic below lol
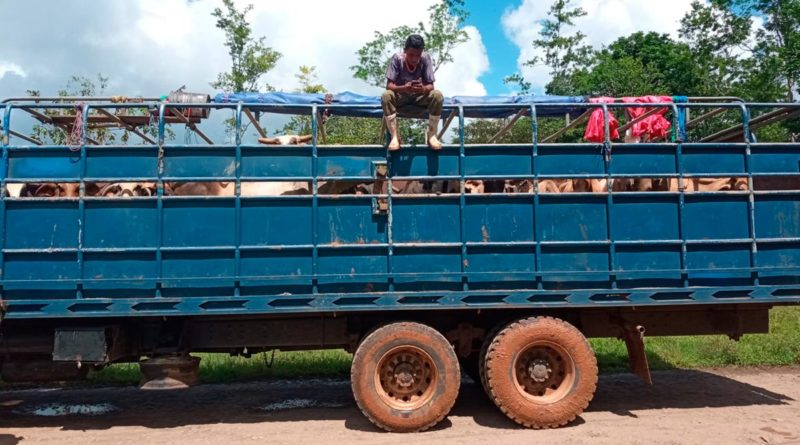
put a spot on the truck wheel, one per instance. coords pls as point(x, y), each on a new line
point(541, 372)
point(482, 356)
point(405, 377)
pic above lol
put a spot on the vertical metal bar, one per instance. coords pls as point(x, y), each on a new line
point(681, 201)
point(612, 250)
point(462, 200)
point(160, 201)
point(751, 201)
point(237, 191)
point(314, 202)
point(81, 197)
point(389, 217)
point(4, 142)
point(537, 258)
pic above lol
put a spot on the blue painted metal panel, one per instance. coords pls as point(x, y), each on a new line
point(497, 161)
point(501, 263)
point(425, 220)
point(193, 269)
point(709, 160)
point(198, 222)
point(41, 224)
point(657, 261)
point(777, 216)
point(427, 264)
point(119, 270)
point(350, 221)
point(571, 218)
point(575, 159)
point(424, 162)
point(199, 162)
point(122, 162)
point(121, 223)
point(350, 161)
point(771, 158)
point(716, 217)
point(718, 261)
point(644, 218)
point(82, 257)
point(496, 219)
point(40, 270)
point(634, 160)
point(265, 162)
point(44, 163)
point(276, 222)
point(275, 266)
point(345, 265)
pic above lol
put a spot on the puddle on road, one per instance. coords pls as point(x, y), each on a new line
point(300, 403)
point(58, 409)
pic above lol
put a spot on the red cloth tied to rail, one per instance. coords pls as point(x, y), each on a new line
point(595, 128)
point(654, 126)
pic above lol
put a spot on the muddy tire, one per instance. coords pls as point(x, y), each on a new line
point(482, 356)
point(541, 372)
point(405, 377)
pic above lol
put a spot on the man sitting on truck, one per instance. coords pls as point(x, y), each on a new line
point(409, 90)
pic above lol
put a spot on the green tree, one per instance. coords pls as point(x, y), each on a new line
point(717, 36)
point(88, 87)
point(640, 64)
point(778, 47)
point(442, 33)
point(339, 129)
point(563, 50)
point(250, 57)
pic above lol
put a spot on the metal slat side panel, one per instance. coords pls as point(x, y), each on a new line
point(194, 255)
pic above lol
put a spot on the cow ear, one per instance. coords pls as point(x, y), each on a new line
point(269, 141)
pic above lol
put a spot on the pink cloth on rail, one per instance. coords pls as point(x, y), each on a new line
point(654, 126)
point(595, 128)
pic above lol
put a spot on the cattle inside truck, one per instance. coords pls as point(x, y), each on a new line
point(493, 257)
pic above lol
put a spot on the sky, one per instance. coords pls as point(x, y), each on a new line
point(150, 47)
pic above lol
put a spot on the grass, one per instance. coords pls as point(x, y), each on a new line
point(778, 348)
point(217, 368)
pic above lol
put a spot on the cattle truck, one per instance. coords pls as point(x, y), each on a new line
point(506, 283)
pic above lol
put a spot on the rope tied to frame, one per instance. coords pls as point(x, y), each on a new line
point(75, 138)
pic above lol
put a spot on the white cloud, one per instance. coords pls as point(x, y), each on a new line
point(10, 67)
point(461, 78)
point(150, 47)
point(605, 21)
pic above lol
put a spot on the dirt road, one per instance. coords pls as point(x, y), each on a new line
point(712, 406)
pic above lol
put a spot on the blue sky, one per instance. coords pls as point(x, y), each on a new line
point(502, 53)
point(150, 47)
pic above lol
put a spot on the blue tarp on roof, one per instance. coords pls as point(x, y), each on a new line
point(493, 105)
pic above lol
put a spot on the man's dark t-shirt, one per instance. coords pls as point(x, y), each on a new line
point(400, 75)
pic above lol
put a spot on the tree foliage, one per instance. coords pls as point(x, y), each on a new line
point(250, 57)
point(442, 33)
point(88, 87)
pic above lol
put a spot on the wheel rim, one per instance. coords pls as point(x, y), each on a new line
point(544, 372)
point(405, 377)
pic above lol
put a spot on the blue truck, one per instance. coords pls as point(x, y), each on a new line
point(102, 261)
